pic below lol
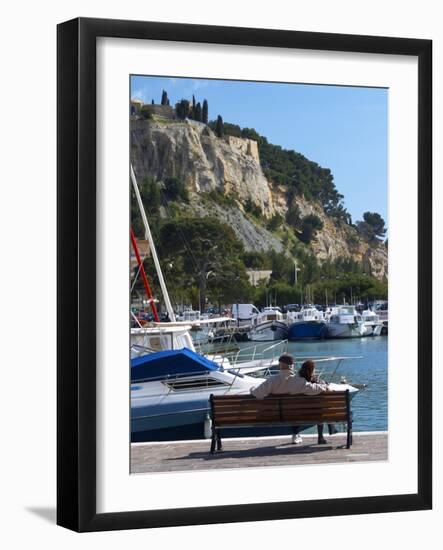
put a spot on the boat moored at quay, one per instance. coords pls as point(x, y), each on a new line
point(306, 324)
point(268, 325)
point(344, 322)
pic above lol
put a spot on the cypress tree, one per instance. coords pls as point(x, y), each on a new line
point(198, 112)
point(182, 109)
point(219, 127)
point(164, 98)
point(205, 112)
point(152, 102)
point(179, 110)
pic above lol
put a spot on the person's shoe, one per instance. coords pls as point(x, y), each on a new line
point(296, 439)
point(322, 441)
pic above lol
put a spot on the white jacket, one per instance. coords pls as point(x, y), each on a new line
point(287, 382)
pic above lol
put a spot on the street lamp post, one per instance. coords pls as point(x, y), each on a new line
point(295, 272)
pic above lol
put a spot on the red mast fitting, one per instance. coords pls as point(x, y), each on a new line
point(145, 279)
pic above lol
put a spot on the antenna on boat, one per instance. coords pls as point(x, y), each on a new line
point(148, 237)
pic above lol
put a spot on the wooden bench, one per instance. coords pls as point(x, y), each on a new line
point(239, 411)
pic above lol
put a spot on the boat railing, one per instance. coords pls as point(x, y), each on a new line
point(205, 380)
point(184, 379)
point(258, 352)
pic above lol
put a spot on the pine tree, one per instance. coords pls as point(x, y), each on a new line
point(219, 127)
point(205, 112)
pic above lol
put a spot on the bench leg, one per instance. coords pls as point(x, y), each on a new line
point(349, 437)
point(219, 443)
point(213, 441)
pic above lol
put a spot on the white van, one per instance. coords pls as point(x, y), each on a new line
point(243, 312)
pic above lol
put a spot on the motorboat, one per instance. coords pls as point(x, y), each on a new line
point(372, 324)
point(380, 307)
point(344, 322)
point(160, 336)
point(307, 324)
point(170, 393)
point(268, 325)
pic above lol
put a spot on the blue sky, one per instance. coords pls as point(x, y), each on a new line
point(341, 128)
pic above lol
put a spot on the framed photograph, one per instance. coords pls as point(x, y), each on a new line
point(244, 274)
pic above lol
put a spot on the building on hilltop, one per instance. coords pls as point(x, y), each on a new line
point(165, 111)
point(136, 106)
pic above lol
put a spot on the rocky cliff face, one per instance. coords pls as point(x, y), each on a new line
point(190, 151)
point(339, 240)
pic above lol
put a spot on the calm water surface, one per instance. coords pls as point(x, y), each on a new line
point(370, 405)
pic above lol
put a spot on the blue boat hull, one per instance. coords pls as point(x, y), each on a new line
point(307, 331)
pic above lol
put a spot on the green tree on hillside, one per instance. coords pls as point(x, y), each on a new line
point(293, 216)
point(275, 222)
point(183, 109)
point(372, 228)
point(309, 226)
point(145, 112)
point(175, 190)
point(164, 99)
point(219, 130)
point(198, 112)
point(151, 199)
point(206, 248)
point(205, 112)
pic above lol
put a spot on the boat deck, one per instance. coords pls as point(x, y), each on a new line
point(257, 452)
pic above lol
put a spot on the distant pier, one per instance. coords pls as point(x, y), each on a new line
point(257, 452)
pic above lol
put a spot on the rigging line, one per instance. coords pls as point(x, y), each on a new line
point(136, 277)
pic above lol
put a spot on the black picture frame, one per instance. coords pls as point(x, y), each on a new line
point(76, 281)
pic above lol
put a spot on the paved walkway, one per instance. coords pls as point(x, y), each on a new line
point(256, 452)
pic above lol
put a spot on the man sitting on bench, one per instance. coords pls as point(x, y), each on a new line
point(285, 382)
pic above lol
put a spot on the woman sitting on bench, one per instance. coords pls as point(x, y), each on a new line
point(307, 371)
point(286, 382)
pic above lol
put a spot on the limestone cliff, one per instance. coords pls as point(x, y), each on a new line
point(230, 166)
point(190, 151)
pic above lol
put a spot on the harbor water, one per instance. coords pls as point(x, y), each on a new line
point(370, 405)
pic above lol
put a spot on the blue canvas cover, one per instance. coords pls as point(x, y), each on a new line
point(170, 363)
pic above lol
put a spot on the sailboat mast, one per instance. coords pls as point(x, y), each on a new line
point(152, 248)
